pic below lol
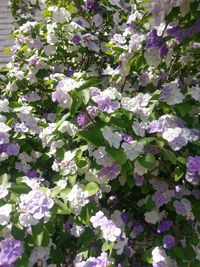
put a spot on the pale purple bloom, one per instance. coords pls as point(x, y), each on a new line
point(82, 119)
point(180, 208)
point(193, 170)
point(139, 179)
point(159, 199)
point(34, 60)
point(101, 261)
point(165, 92)
point(37, 204)
point(4, 138)
point(110, 172)
point(181, 190)
point(107, 105)
point(196, 193)
point(92, 111)
point(10, 251)
point(12, 149)
point(169, 241)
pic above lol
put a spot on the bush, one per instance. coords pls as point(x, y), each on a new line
point(99, 135)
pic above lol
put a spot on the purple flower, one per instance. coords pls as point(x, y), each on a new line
point(138, 179)
point(164, 226)
point(164, 49)
point(127, 138)
point(110, 172)
point(154, 126)
point(180, 208)
point(82, 119)
point(76, 39)
point(196, 193)
point(12, 149)
point(124, 217)
point(165, 93)
point(32, 174)
point(107, 105)
point(169, 241)
point(10, 251)
point(137, 227)
point(153, 40)
point(159, 199)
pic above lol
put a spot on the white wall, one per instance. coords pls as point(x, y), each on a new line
point(5, 30)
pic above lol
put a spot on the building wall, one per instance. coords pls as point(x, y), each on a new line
point(5, 30)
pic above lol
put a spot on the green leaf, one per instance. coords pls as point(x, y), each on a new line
point(45, 239)
point(20, 189)
point(182, 160)
point(61, 208)
point(171, 156)
point(92, 188)
point(118, 155)
point(130, 182)
point(94, 138)
point(148, 161)
point(178, 174)
point(17, 233)
point(84, 95)
point(23, 261)
point(184, 108)
point(37, 233)
point(147, 256)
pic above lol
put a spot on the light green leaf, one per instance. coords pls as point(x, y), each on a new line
point(92, 188)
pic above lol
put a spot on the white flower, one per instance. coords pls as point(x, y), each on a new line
point(49, 50)
point(77, 198)
point(120, 244)
point(152, 216)
point(194, 91)
point(26, 219)
point(133, 149)
point(113, 138)
point(102, 157)
point(68, 127)
point(60, 15)
point(3, 156)
point(173, 95)
point(139, 169)
point(115, 2)
point(152, 56)
point(135, 42)
point(137, 104)
point(55, 145)
point(3, 192)
point(4, 105)
point(77, 230)
point(4, 128)
point(39, 255)
point(5, 211)
point(171, 133)
point(139, 128)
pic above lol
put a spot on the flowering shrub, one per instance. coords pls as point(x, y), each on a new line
point(99, 135)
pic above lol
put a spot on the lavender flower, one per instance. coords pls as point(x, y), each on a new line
point(127, 138)
point(110, 172)
point(159, 199)
point(193, 170)
point(10, 251)
point(82, 119)
point(12, 149)
point(169, 241)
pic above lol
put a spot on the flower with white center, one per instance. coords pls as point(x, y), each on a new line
point(77, 198)
point(152, 216)
point(4, 105)
point(77, 230)
point(113, 138)
point(3, 191)
point(102, 157)
point(133, 149)
point(194, 91)
point(5, 211)
point(34, 206)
